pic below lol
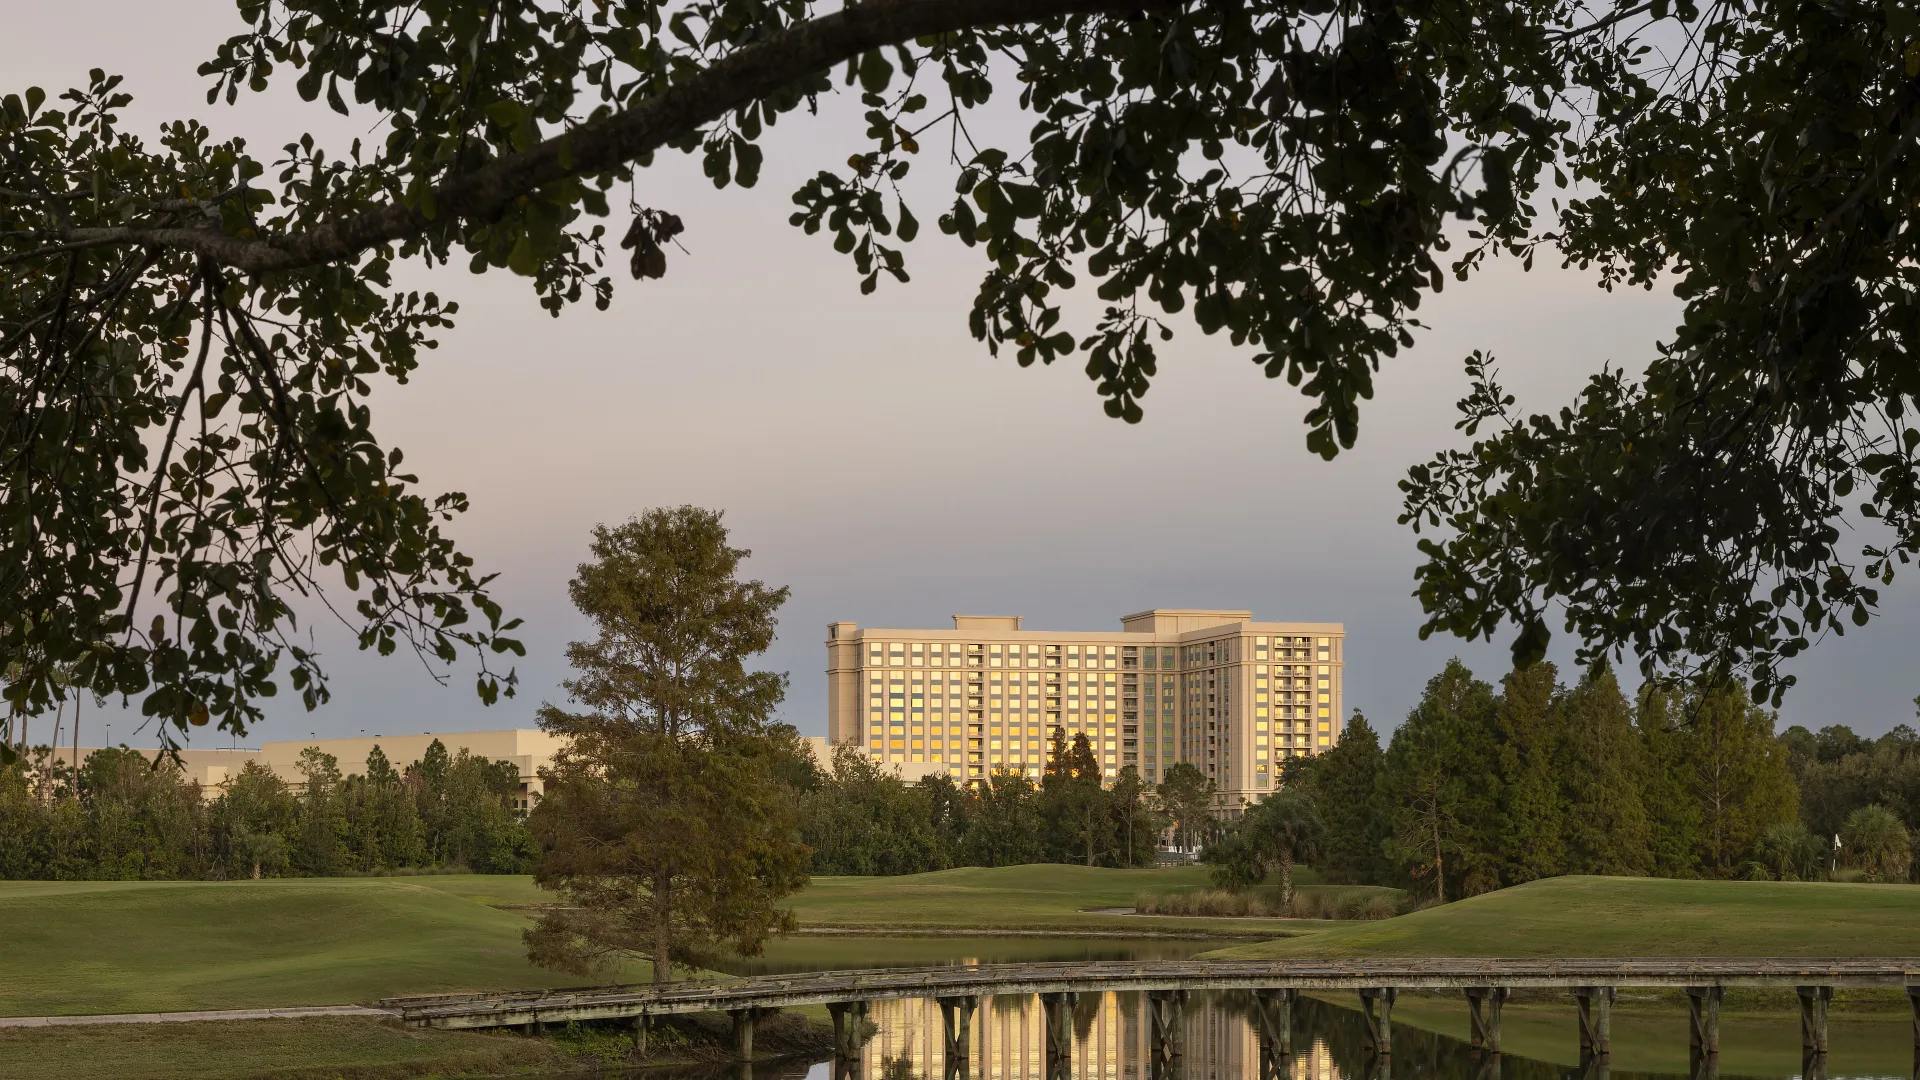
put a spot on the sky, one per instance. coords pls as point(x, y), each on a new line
point(877, 460)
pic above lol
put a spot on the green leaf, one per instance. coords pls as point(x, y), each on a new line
point(875, 71)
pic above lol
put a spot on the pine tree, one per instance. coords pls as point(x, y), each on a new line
point(1187, 795)
point(1532, 810)
point(663, 827)
point(1738, 773)
point(1666, 790)
point(1606, 825)
point(1344, 783)
point(1441, 779)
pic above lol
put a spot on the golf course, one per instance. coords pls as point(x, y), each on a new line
point(106, 947)
point(1603, 916)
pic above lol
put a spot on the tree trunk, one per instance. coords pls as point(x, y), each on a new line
point(256, 869)
point(1286, 881)
point(1439, 867)
point(662, 928)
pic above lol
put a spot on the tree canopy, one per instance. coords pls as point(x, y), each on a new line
point(189, 330)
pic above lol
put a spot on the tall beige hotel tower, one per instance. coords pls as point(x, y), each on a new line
point(1233, 696)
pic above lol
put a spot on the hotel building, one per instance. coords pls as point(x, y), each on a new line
point(1233, 696)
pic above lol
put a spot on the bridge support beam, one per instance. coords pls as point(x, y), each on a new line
point(956, 1014)
point(640, 1021)
point(1483, 1013)
point(1376, 1004)
point(1813, 1017)
point(1595, 1004)
point(1913, 1001)
point(1703, 1021)
point(849, 1028)
point(1059, 1017)
point(1167, 1025)
point(743, 1023)
point(1273, 1021)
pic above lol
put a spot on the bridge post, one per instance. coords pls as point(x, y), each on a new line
point(1489, 1067)
point(1376, 1004)
point(640, 1034)
point(1913, 1001)
point(1703, 1021)
point(1483, 1011)
point(1167, 1027)
point(1059, 1024)
point(1273, 1020)
point(849, 1025)
point(1596, 1020)
point(1813, 1017)
point(743, 1021)
point(956, 1014)
point(1273, 1014)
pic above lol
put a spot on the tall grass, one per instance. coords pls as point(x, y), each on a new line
point(1309, 902)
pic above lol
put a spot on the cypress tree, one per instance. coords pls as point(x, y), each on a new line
point(1531, 820)
point(1441, 777)
point(1673, 817)
point(1605, 822)
point(1344, 783)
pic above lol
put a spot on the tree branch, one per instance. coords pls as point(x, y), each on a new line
point(748, 75)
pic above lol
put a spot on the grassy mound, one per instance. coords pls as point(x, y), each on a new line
point(110, 947)
point(1037, 897)
point(1597, 916)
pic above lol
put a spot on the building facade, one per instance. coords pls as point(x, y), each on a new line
point(1233, 696)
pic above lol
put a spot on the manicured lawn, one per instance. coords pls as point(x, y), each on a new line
point(112, 947)
point(1594, 916)
point(320, 1049)
point(1040, 897)
point(108, 947)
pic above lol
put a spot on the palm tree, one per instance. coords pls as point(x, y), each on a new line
point(1285, 826)
point(1876, 841)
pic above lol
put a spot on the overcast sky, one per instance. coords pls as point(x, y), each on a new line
point(878, 461)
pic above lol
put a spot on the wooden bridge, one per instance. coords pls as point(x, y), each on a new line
point(1274, 985)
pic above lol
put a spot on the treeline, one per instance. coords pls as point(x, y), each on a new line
point(861, 819)
point(122, 816)
point(1485, 787)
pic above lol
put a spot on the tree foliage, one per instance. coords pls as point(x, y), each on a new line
point(665, 827)
point(1482, 789)
point(121, 815)
point(189, 331)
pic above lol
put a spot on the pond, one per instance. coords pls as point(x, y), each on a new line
point(1111, 1030)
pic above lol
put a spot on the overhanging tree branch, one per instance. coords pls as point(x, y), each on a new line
point(747, 75)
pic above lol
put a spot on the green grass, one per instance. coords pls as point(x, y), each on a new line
point(1037, 897)
point(115, 947)
point(110, 947)
point(330, 1048)
point(1595, 916)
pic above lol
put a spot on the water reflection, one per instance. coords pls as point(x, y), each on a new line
point(1111, 1040)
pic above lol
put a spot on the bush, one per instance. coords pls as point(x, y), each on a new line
point(1309, 902)
point(1210, 903)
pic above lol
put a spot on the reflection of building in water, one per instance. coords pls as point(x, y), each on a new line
point(1111, 1041)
